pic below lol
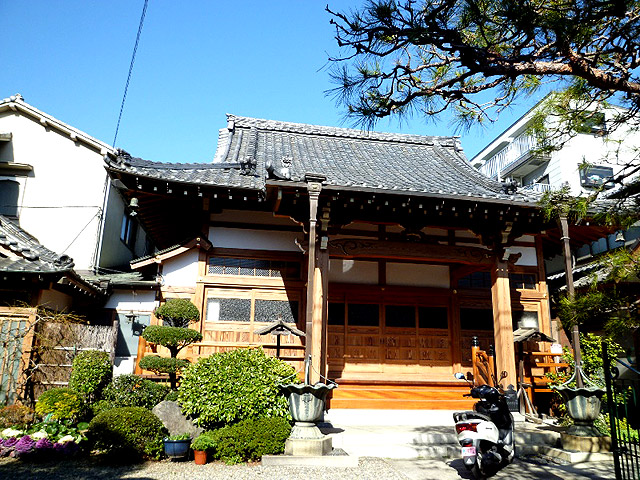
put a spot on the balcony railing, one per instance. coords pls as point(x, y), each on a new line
point(510, 154)
point(537, 187)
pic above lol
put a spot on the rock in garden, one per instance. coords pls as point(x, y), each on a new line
point(173, 419)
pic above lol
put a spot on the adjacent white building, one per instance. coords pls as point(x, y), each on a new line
point(54, 184)
point(514, 156)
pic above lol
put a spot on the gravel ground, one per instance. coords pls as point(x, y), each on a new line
point(368, 469)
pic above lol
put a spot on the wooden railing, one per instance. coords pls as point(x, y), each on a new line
point(483, 364)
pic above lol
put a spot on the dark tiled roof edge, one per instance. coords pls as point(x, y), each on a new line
point(303, 128)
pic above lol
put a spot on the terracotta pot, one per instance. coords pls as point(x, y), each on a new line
point(200, 457)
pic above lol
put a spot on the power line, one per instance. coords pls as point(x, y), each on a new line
point(133, 59)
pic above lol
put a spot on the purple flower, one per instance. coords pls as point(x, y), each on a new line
point(25, 445)
point(10, 442)
point(44, 444)
point(66, 448)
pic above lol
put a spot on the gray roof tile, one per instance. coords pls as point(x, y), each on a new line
point(350, 159)
point(27, 254)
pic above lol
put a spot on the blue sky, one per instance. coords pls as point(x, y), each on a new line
point(197, 61)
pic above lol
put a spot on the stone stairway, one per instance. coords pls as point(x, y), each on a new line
point(410, 434)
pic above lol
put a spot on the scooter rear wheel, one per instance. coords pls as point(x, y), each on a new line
point(477, 473)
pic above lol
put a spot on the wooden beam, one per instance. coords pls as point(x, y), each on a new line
point(358, 248)
point(502, 323)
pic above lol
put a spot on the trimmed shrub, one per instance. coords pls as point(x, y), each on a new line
point(174, 338)
point(90, 373)
point(162, 365)
point(17, 416)
point(133, 391)
point(250, 439)
point(232, 386)
point(177, 312)
point(127, 433)
point(61, 404)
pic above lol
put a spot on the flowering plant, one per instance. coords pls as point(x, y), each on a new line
point(11, 432)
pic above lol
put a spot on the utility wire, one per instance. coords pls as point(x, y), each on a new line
point(133, 59)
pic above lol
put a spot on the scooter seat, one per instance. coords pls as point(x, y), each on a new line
point(466, 416)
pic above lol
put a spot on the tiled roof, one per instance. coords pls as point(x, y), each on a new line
point(251, 151)
point(27, 255)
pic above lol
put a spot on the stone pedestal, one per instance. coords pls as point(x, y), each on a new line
point(308, 447)
point(585, 444)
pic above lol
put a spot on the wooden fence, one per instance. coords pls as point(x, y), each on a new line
point(37, 354)
point(17, 327)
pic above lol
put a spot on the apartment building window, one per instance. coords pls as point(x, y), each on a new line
point(596, 176)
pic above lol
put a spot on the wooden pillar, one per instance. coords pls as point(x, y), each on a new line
point(314, 186)
point(502, 323)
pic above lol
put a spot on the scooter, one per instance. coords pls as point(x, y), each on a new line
point(486, 434)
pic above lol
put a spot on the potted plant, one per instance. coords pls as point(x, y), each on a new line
point(177, 314)
point(177, 446)
point(200, 446)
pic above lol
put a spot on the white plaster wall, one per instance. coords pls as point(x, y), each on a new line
point(353, 271)
point(132, 300)
point(528, 258)
point(181, 271)
point(114, 252)
point(417, 275)
point(254, 239)
point(63, 197)
point(61, 200)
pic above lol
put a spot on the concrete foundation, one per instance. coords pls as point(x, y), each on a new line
point(339, 461)
point(585, 444)
point(308, 447)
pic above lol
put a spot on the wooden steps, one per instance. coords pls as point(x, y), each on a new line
point(401, 395)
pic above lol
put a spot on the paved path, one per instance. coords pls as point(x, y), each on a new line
point(368, 469)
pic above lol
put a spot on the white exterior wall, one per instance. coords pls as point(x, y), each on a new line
point(61, 200)
point(247, 239)
point(417, 275)
point(132, 301)
point(353, 271)
point(181, 271)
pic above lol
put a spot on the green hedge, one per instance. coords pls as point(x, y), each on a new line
point(90, 373)
point(133, 391)
point(61, 404)
point(249, 439)
point(127, 433)
point(232, 386)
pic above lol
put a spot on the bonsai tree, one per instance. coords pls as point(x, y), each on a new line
point(176, 315)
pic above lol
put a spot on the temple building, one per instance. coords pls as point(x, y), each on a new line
point(389, 251)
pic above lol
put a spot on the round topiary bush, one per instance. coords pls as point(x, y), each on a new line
point(61, 404)
point(90, 373)
point(133, 391)
point(177, 312)
point(162, 364)
point(232, 386)
point(173, 338)
point(127, 433)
